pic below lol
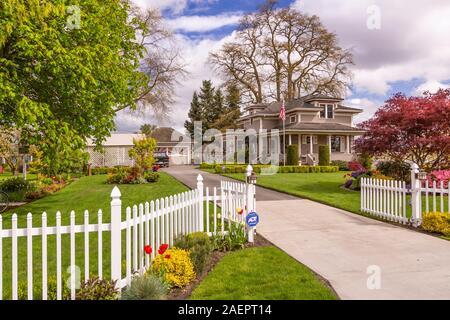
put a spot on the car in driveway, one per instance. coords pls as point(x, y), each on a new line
point(162, 159)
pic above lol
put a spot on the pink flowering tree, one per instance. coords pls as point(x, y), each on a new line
point(410, 128)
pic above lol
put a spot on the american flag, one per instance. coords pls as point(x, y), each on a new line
point(283, 111)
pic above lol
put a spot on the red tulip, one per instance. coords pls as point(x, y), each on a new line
point(148, 249)
point(240, 210)
point(163, 248)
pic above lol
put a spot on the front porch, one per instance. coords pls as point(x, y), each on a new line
point(341, 146)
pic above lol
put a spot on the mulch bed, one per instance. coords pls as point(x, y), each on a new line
point(216, 256)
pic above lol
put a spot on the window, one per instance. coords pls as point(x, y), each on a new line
point(293, 119)
point(336, 144)
point(307, 140)
point(330, 111)
point(323, 114)
point(327, 111)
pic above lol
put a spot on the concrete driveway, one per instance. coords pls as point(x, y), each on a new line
point(188, 176)
point(347, 249)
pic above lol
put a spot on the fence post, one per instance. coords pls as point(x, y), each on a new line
point(415, 196)
point(201, 204)
point(116, 236)
point(250, 202)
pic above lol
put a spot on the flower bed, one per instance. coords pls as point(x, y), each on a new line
point(19, 189)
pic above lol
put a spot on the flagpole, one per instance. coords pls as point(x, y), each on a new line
point(284, 141)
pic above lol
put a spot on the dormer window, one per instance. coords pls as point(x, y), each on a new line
point(327, 111)
point(292, 119)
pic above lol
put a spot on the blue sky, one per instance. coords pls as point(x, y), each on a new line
point(409, 52)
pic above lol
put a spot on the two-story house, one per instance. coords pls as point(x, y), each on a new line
point(310, 121)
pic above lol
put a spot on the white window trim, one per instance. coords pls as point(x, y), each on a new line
point(325, 107)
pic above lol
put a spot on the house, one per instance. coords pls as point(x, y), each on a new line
point(116, 147)
point(310, 121)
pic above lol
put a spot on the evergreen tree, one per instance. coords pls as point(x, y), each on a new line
point(233, 98)
point(218, 109)
point(231, 111)
point(207, 102)
point(195, 114)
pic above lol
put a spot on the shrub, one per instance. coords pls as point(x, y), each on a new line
point(355, 166)
point(437, 222)
point(151, 177)
point(146, 287)
point(98, 289)
point(14, 185)
point(235, 239)
point(343, 165)
point(366, 161)
point(324, 155)
point(199, 246)
point(292, 155)
point(440, 176)
point(175, 266)
point(395, 169)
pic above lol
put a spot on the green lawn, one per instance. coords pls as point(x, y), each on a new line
point(88, 193)
point(265, 273)
point(320, 187)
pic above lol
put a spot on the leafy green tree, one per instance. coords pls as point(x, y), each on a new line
point(61, 85)
point(324, 155)
point(142, 154)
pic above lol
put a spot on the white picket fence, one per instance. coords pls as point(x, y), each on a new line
point(384, 199)
point(151, 223)
point(389, 200)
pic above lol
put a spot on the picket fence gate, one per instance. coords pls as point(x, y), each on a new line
point(389, 200)
point(151, 223)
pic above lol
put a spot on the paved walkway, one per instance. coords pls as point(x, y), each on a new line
point(341, 246)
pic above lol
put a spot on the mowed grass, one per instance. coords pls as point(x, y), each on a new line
point(88, 193)
point(264, 273)
point(320, 187)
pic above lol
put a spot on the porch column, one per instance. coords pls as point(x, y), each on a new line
point(299, 146)
point(329, 144)
point(348, 144)
point(290, 139)
point(311, 145)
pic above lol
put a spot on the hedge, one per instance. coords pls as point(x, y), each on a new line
point(287, 169)
point(324, 155)
point(292, 155)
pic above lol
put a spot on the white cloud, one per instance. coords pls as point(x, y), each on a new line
point(412, 43)
point(431, 86)
point(203, 23)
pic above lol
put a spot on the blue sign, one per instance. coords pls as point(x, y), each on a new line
point(252, 219)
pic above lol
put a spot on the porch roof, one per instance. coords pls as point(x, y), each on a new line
point(312, 127)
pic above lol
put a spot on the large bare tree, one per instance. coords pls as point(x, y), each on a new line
point(162, 62)
point(283, 54)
